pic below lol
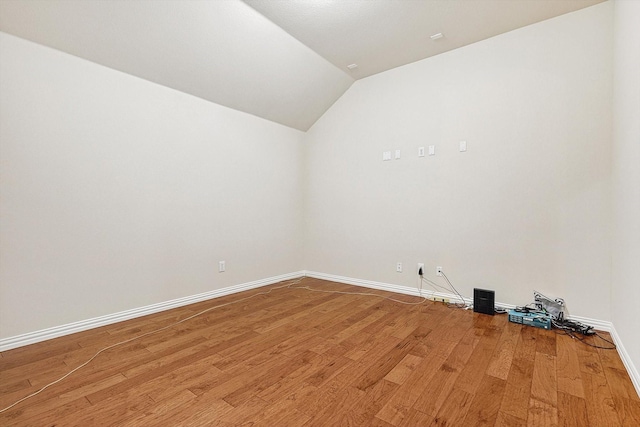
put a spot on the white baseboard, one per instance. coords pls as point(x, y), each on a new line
point(382, 286)
point(600, 325)
point(83, 325)
point(70, 328)
point(631, 368)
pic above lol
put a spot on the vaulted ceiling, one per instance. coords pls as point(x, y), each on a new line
point(283, 60)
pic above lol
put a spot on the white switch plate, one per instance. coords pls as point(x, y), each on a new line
point(432, 150)
point(397, 154)
point(463, 145)
point(221, 266)
point(386, 155)
point(420, 151)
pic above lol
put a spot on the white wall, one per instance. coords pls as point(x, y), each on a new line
point(117, 193)
point(626, 177)
point(528, 206)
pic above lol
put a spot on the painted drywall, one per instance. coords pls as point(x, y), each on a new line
point(625, 284)
point(117, 193)
point(526, 207)
point(222, 51)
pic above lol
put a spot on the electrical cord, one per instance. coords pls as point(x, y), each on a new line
point(527, 309)
point(572, 334)
point(142, 336)
point(461, 305)
point(576, 329)
point(571, 328)
point(438, 288)
point(604, 339)
point(287, 286)
point(435, 286)
point(364, 294)
point(452, 288)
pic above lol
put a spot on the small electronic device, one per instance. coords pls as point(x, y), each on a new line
point(484, 301)
point(537, 320)
point(553, 307)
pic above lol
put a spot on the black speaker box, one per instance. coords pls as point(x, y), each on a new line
point(484, 301)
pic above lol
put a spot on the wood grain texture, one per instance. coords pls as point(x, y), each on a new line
point(572, 410)
point(301, 358)
point(515, 401)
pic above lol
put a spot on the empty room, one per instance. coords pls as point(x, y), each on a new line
point(319, 212)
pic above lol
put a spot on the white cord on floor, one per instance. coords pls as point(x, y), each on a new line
point(363, 293)
point(288, 286)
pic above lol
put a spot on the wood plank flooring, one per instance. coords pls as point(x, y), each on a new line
point(300, 358)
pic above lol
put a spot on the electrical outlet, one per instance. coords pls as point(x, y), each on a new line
point(420, 268)
point(440, 299)
point(438, 271)
point(399, 267)
point(221, 266)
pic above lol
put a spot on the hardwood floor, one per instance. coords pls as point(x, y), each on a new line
point(300, 358)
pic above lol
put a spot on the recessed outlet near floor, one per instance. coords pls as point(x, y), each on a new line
point(222, 266)
point(399, 267)
point(438, 271)
point(420, 268)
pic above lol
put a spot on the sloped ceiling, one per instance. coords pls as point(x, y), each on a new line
point(282, 60)
point(222, 51)
point(378, 35)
